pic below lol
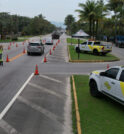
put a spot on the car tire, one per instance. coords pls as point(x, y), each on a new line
point(94, 89)
point(77, 50)
point(95, 52)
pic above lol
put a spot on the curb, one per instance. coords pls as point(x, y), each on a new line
point(86, 61)
point(76, 107)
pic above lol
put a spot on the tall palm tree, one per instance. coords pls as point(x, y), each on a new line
point(87, 12)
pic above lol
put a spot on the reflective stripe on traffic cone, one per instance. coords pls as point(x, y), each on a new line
point(36, 70)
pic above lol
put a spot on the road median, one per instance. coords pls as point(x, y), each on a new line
point(88, 57)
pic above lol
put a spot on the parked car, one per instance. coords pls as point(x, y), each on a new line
point(48, 41)
point(95, 47)
point(109, 82)
point(35, 47)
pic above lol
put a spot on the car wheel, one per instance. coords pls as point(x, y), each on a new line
point(95, 52)
point(94, 89)
point(77, 50)
point(103, 54)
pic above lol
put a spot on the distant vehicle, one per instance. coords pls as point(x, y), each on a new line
point(109, 82)
point(48, 41)
point(95, 47)
point(35, 47)
point(55, 35)
point(119, 41)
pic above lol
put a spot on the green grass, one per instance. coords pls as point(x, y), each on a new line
point(8, 40)
point(98, 115)
point(74, 41)
point(89, 56)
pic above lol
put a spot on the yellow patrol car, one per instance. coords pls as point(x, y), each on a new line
point(109, 82)
point(96, 47)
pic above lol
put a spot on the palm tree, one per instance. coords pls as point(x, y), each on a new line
point(87, 12)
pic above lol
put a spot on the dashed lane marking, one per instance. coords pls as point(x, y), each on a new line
point(39, 109)
point(17, 56)
point(8, 128)
point(45, 89)
point(49, 78)
point(15, 97)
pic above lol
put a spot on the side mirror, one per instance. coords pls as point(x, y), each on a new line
point(102, 74)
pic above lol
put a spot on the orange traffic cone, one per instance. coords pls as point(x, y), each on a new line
point(50, 53)
point(16, 45)
point(45, 59)
point(24, 51)
point(7, 58)
point(36, 70)
point(23, 43)
point(107, 66)
point(9, 47)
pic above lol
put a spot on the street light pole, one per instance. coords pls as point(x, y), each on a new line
point(78, 49)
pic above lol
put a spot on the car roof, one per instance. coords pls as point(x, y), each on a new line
point(35, 42)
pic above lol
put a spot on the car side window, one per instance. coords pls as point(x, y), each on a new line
point(84, 43)
point(89, 43)
point(122, 76)
point(112, 73)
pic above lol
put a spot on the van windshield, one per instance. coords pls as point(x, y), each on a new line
point(34, 44)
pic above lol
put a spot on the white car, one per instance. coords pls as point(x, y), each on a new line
point(35, 47)
point(109, 82)
point(48, 41)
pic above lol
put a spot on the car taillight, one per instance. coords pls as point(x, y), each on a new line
point(103, 48)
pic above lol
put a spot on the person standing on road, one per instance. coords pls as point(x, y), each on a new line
point(1, 55)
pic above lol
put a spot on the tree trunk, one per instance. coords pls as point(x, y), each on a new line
point(90, 24)
point(93, 27)
point(97, 24)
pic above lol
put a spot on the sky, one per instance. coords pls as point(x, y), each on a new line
point(53, 10)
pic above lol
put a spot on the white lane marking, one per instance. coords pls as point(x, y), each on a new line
point(39, 109)
point(45, 89)
point(8, 128)
point(15, 97)
point(68, 109)
point(49, 78)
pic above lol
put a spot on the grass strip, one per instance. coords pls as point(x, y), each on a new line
point(89, 56)
point(74, 41)
point(97, 115)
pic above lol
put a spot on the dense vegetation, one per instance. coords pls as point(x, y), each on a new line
point(98, 18)
point(11, 25)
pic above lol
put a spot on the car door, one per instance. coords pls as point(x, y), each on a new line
point(121, 85)
point(109, 82)
point(90, 46)
point(83, 46)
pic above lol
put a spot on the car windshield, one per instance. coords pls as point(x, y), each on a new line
point(34, 44)
point(97, 43)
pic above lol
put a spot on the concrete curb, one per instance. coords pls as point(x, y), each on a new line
point(76, 107)
point(86, 61)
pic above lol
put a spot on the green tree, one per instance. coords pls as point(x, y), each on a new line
point(69, 21)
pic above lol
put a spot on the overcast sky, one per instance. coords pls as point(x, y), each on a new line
point(53, 10)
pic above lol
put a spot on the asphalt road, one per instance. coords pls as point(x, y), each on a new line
point(15, 73)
